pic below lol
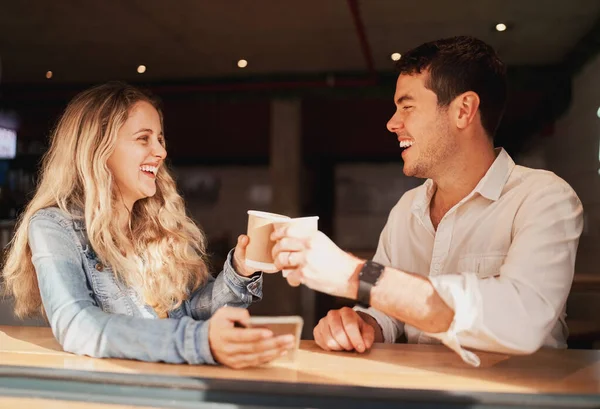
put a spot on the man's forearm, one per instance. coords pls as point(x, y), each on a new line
point(411, 299)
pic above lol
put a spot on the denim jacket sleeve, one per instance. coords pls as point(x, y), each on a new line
point(228, 288)
point(82, 327)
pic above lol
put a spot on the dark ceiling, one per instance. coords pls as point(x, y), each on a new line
point(91, 41)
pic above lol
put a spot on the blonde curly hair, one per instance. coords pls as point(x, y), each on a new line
point(164, 254)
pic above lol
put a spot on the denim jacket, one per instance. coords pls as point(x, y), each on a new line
point(93, 313)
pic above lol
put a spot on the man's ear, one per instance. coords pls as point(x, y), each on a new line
point(465, 108)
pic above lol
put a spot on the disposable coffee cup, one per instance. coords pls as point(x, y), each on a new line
point(260, 227)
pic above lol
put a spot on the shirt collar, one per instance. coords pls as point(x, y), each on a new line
point(490, 186)
point(423, 197)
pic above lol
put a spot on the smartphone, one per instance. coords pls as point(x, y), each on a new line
point(282, 325)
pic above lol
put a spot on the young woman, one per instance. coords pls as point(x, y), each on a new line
point(106, 252)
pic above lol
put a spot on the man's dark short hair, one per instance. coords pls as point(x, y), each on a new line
point(457, 65)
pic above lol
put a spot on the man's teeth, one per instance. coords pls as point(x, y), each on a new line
point(405, 144)
point(147, 168)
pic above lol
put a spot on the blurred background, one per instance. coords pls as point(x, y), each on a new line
point(282, 106)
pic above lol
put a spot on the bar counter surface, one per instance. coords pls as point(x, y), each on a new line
point(32, 364)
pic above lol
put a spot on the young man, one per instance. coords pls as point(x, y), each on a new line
point(481, 255)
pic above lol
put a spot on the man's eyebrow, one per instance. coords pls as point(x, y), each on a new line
point(404, 98)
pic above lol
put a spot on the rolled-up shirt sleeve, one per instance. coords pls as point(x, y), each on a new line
point(514, 310)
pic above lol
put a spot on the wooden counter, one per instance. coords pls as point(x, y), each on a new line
point(22, 403)
point(399, 367)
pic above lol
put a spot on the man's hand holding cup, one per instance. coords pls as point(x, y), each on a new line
point(314, 260)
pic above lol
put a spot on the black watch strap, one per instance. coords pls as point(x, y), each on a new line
point(367, 278)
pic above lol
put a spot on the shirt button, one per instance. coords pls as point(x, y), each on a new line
point(99, 267)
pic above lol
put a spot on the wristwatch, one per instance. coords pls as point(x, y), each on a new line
point(367, 278)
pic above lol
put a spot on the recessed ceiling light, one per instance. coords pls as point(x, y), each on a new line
point(396, 56)
point(501, 27)
point(598, 112)
point(242, 63)
point(141, 69)
point(48, 74)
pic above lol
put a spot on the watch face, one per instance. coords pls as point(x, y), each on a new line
point(371, 271)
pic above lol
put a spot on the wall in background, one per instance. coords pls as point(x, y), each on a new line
point(572, 152)
point(365, 193)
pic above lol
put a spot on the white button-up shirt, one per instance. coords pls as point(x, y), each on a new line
point(502, 258)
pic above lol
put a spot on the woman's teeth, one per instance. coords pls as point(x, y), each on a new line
point(148, 168)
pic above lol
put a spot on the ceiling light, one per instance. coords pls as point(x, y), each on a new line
point(242, 63)
point(501, 27)
point(598, 112)
point(396, 56)
point(141, 69)
point(48, 74)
